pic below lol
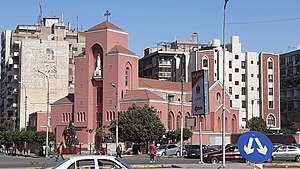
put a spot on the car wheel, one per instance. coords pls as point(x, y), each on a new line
point(163, 154)
point(214, 160)
point(298, 159)
point(177, 153)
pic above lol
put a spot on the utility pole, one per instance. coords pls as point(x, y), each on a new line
point(47, 126)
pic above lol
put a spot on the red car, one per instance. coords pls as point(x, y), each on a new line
point(231, 154)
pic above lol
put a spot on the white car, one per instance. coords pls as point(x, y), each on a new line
point(92, 162)
point(167, 150)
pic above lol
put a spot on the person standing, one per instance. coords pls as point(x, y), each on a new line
point(119, 151)
point(60, 152)
point(152, 153)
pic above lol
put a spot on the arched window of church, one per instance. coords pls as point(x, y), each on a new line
point(205, 62)
point(178, 122)
point(126, 76)
point(271, 120)
point(169, 122)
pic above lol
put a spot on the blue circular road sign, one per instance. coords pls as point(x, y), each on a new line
point(255, 146)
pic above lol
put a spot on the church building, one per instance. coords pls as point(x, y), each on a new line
point(107, 74)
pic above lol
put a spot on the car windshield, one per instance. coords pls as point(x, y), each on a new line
point(57, 165)
point(122, 162)
point(162, 147)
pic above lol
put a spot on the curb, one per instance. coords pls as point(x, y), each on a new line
point(282, 165)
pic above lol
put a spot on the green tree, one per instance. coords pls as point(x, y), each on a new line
point(7, 125)
point(40, 137)
point(257, 124)
point(27, 136)
point(139, 125)
point(71, 139)
point(7, 138)
point(175, 135)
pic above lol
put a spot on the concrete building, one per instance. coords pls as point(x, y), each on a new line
point(251, 79)
point(50, 49)
point(107, 75)
point(156, 63)
point(290, 86)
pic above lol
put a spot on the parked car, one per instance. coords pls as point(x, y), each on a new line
point(285, 152)
point(194, 150)
point(231, 154)
point(92, 161)
point(167, 150)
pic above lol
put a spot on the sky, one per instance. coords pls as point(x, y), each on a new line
point(262, 25)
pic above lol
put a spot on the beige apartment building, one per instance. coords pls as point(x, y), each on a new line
point(35, 58)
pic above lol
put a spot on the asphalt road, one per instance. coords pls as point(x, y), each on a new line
point(140, 161)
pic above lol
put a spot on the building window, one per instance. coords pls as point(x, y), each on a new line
point(270, 65)
point(243, 64)
point(205, 62)
point(230, 64)
point(126, 76)
point(169, 122)
point(271, 104)
point(252, 75)
point(236, 96)
point(252, 88)
point(270, 90)
point(271, 120)
point(236, 56)
point(270, 78)
point(243, 77)
point(236, 82)
point(243, 104)
point(178, 122)
point(230, 90)
point(230, 103)
point(243, 91)
point(252, 62)
point(218, 96)
point(236, 70)
point(230, 77)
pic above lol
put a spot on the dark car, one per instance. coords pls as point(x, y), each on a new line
point(194, 150)
point(231, 154)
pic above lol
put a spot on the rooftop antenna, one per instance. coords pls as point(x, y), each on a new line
point(77, 22)
point(40, 18)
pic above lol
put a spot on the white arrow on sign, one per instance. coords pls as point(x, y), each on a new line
point(261, 149)
point(248, 149)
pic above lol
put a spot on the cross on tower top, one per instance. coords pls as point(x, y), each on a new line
point(107, 14)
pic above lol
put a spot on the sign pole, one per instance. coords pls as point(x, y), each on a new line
point(200, 133)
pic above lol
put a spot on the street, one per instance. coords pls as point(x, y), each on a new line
point(140, 161)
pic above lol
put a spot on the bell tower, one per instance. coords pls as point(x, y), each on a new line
point(106, 61)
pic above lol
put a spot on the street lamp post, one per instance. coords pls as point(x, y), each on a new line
point(117, 115)
point(47, 126)
point(25, 113)
point(224, 105)
point(182, 114)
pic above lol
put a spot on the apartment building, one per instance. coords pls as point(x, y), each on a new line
point(156, 63)
point(33, 59)
point(251, 78)
point(290, 85)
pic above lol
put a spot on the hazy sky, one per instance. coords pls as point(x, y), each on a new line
point(262, 25)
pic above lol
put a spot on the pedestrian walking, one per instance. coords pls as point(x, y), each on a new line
point(60, 152)
point(152, 153)
point(119, 151)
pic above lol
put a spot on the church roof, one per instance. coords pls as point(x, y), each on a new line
point(120, 49)
point(164, 85)
point(65, 100)
point(105, 25)
point(141, 95)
